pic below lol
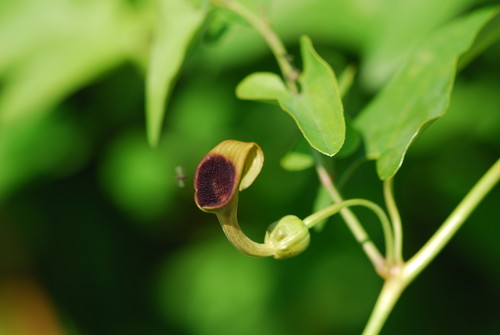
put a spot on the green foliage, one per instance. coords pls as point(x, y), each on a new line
point(418, 94)
point(317, 108)
point(50, 51)
point(396, 30)
point(95, 216)
point(299, 158)
point(177, 23)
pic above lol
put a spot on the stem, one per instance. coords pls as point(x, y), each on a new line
point(395, 219)
point(326, 212)
point(229, 223)
point(353, 224)
point(242, 242)
point(391, 291)
point(402, 276)
point(275, 44)
point(443, 235)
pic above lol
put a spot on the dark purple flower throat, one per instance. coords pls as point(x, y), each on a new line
point(214, 181)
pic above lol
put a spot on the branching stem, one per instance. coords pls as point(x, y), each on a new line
point(402, 275)
point(273, 41)
point(443, 235)
point(397, 274)
point(353, 223)
point(326, 212)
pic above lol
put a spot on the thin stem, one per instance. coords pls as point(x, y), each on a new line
point(443, 235)
point(326, 212)
point(229, 223)
point(395, 220)
point(272, 39)
point(402, 275)
point(391, 291)
point(353, 224)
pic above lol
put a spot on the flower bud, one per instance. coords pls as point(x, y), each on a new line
point(288, 237)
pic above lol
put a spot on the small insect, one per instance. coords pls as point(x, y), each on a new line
point(180, 176)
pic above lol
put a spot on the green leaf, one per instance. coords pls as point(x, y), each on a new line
point(297, 161)
point(261, 86)
point(299, 158)
point(418, 94)
point(487, 36)
point(178, 22)
point(387, 47)
point(346, 80)
point(317, 108)
point(217, 25)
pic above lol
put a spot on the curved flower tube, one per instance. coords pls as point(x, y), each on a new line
point(230, 167)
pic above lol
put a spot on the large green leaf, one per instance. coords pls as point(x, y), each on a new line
point(300, 157)
point(487, 36)
point(388, 46)
point(178, 22)
point(418, 94)
point(317, 108)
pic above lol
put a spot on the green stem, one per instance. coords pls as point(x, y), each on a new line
point(228, 220)
point(402, 275)
point(275, 44)
point(326, 212)
point(391, 291)
point(242, 242)
point(353, 224)
point(443, 235)
point(395, 220)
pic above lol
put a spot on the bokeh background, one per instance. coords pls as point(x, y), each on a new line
point(97, 236)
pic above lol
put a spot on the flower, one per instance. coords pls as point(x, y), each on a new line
point(230, 167)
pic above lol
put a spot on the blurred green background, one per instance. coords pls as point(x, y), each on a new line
point(98, 237)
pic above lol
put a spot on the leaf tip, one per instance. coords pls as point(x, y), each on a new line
point(152, 141)
point(153, 135)
point(305, 39)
